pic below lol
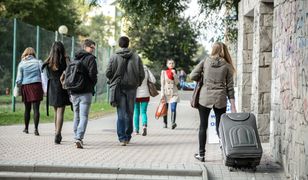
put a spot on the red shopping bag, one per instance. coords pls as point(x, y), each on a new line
point(161, 109)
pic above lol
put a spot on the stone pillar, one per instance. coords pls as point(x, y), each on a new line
point(244, 60)
point(261, 67)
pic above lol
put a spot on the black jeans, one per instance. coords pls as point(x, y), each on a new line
point(36, 110)
point(204, 113)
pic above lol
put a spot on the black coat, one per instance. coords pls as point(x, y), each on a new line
point(57, 96)
point(89, 62)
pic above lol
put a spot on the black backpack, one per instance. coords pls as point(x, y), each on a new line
point(75, 76)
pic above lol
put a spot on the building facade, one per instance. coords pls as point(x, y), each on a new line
point(272, 77)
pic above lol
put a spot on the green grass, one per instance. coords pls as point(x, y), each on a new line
point(7, 117)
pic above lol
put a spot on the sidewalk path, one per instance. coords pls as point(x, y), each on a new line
point(160, 149)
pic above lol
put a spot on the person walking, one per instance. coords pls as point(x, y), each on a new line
point(217, 72)
point(82, 99)
point(125, 68)
point(58, 97)
point(169, 91)
point(29, 79)
point(142, 101)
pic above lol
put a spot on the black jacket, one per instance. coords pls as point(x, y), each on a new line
point(89, 61)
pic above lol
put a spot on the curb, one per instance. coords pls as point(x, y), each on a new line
point(204, 172)
point(103, 170)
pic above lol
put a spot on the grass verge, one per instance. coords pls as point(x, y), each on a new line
point(7, 117)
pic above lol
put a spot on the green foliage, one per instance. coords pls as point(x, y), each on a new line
point(151, 11)
point(5, 81)
point(176, 41)
point(159, 32)
point(45, 13)
point(156, 13)
point(100, 29)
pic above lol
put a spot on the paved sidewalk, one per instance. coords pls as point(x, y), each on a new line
point(162, 149)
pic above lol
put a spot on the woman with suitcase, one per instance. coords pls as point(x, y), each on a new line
point(217, 72)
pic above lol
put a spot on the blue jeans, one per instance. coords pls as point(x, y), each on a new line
point(81, 105)
point(125, 110)
point(182, 83)
point(140, 106)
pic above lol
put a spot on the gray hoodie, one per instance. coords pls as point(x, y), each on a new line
point(125, 66)
point(217, 82)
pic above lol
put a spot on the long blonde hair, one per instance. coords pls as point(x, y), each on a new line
point(28, 51)
point(219, 49)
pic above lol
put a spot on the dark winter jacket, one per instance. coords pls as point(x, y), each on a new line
point(126, 62)
point(89, 61)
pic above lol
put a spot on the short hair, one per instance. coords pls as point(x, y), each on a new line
point(88, 43)
point(28, 51)
point(123, 42)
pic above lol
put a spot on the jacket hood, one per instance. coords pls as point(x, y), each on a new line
point(81, 54)
point(125, 53)
point(217, 62)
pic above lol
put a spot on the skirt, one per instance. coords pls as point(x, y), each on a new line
point(32, 92)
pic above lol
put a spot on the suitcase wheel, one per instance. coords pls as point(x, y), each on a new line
point(231, 169)
point(254, 169)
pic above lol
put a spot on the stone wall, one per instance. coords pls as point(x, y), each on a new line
point(289, 98)
point(272, 74)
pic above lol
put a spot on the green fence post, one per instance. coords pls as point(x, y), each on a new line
point(96, 52)
point(37, 42)
point(73, 48)
point(14, 64)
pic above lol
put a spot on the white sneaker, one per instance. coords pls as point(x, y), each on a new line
point(79, 144)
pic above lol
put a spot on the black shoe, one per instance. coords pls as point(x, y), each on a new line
point(36, 132)
point(26, 131)
point(58, 138)
point(144, 131)
point(200, 158)
point(173, 126)
point(123, 143)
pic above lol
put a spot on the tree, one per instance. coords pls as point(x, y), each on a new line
point(155, 12)
point(45, 13)
point(176, 41)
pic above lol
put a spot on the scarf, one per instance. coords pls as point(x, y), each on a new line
point(169, 74)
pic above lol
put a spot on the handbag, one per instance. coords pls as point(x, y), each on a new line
point(161, 109)
point(152, 89)
point(194, 102)
point(17, 91)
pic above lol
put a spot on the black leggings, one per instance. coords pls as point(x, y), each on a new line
point(204, 113)
point(36, 110)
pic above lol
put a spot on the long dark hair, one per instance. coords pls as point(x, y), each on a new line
point(56, 56)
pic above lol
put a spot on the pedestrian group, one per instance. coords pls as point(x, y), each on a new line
point(71, 83)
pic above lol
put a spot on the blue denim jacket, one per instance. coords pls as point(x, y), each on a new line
point(29, 71)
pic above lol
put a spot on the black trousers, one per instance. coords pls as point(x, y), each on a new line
point(204, 113)
point(36, 112)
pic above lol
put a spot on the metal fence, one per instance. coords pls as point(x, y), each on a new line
point(15, 36)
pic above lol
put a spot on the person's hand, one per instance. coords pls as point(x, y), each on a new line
point(173, 71)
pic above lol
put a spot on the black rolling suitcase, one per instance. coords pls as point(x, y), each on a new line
point(240, 142)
